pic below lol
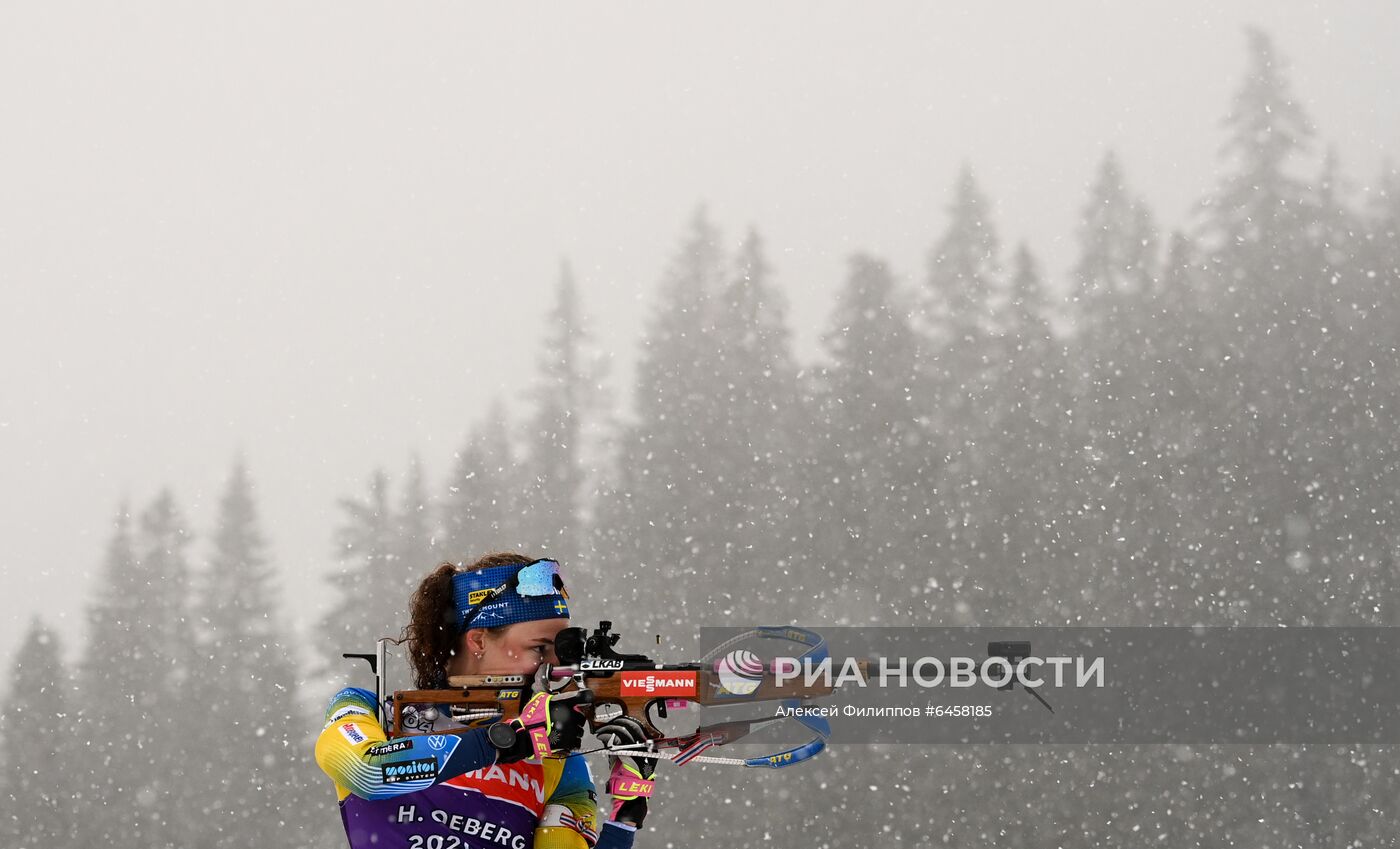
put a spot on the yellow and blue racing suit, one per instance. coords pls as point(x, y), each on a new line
point(446, 791)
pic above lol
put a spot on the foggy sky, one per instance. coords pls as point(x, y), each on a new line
point(326, 234)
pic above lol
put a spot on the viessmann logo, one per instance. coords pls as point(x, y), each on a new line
point(673, 684)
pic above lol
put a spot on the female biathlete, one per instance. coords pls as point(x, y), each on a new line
point(479, 786)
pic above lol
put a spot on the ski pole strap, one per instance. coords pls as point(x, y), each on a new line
point(816, 651)
point(693, 747)
point(818, 725)
point(728, 732)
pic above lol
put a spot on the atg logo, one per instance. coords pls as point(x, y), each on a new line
point(661, 684)
point(740, 672)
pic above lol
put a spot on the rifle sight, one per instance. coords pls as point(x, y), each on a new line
point(572, 647)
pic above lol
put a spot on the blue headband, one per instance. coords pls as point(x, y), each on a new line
point(505, 595)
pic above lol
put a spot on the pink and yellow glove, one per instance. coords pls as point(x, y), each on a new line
point(632, 780)
point(549, 724)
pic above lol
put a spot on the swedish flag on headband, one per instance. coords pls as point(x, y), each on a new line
point(504, 595)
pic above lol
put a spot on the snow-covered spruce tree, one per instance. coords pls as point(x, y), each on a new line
point(965, 279)
point(1112, 278)
point(961, 309)
point(1344, 454)
point(383, 551)
point(1264, 295)
point(255, 769)
point(870, 508)
point(138, 769)
point(1112, 372)
point(565, 397)
point(1172, 477)
point(1117, 242)
point(1260, 199)
point(962, 313)
point(41, 797)
point(108, 665)
point(1025, 499)
point(1371, 328)
point(1256, 219)
point(658, 515)
point(1253, 227)
point(368, 593)
point(661, 531)
point(162, 542)
point(759, 438)
point(414, 535)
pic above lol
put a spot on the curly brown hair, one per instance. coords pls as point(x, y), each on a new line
point(432, 632)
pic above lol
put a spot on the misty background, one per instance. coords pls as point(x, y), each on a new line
point(329, 240)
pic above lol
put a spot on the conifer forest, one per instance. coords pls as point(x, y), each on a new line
point(1195, 426)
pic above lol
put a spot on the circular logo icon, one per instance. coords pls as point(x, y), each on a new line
point(740, 672)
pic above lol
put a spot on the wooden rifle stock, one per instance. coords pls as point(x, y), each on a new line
point(626, 689)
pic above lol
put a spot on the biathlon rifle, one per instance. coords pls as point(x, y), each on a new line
point(614, 684)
